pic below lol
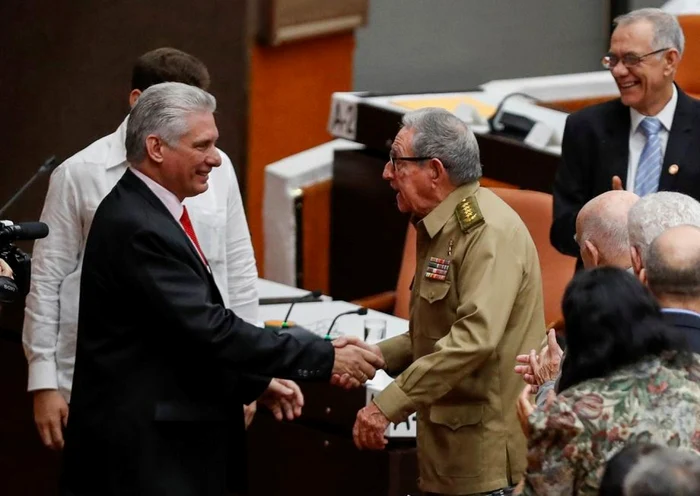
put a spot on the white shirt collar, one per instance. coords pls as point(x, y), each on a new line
point(117, 153)
point(665, 116)
point(169, 199)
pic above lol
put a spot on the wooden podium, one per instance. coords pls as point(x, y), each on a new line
point(315, 454)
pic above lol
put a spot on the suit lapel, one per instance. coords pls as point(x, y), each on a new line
point(678, 140)
point(145, 192)
point(618, 134)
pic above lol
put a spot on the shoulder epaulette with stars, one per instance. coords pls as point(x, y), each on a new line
point(468, 214)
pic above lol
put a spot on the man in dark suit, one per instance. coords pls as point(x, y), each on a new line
point(672, 272)
point(162, 367)
point(641, 141)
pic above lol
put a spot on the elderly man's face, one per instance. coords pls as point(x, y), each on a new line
point(186, 164)
point(642, 86)
point(411, 180)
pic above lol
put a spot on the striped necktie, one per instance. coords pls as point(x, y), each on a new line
point(649, 169)
point(187, 226)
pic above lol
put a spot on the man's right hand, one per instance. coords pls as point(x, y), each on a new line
point(50, 416)
point(355, 361)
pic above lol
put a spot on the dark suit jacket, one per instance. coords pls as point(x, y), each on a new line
point(596, 148)
point(162, 367)
point(687, 323)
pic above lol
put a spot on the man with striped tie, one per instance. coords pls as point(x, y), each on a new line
point(645, 141)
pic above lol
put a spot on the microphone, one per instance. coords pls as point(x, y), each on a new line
point(313, 295)
point(359, 311)
point(48, 165)
point(283, 300)
point(519, 123)
point(24, 230)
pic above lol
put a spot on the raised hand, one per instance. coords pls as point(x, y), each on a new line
point(284, 399)
point(524, 408)
point(536, 370)
point(617, 183)
point(50, 416)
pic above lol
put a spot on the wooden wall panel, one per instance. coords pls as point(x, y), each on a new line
point(290, 94)
point(316, 227)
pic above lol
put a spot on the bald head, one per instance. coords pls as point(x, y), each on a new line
point(601, 229)
point(672, 268)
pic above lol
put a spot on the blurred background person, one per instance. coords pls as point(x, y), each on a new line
point(655, 213)
point(626, 376)
point(601, 230)
point(665, 472)
point(672, 273)
point(619, 466)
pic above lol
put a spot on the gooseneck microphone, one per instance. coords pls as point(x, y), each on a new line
point(359, 311)
point(48, 165)
point(313, 295)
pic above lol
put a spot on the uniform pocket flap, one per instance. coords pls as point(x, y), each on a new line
point(456, 416)
point(434, 290)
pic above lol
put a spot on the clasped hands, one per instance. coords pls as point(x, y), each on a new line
point(355, 362)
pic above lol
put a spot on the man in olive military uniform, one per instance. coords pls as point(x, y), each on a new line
point(476, 303)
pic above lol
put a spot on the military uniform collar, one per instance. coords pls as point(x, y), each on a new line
point(438, 217)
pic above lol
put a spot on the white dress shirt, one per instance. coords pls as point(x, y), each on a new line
point(638, 140)
point(76, 188)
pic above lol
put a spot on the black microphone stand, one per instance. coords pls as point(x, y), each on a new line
point(313, 295)
point(48, 165)
point(359, 311)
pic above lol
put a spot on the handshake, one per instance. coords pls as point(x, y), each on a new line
point(355, 362)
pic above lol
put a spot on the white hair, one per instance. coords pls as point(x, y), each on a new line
point(657, 212)
point(162, 109)
point(667, 31)
point(441, 134)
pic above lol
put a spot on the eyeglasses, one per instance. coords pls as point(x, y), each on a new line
point(610, 60)
point(394, 160)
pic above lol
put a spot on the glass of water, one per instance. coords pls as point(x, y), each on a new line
point(375, 330)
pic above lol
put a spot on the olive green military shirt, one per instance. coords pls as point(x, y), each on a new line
point(476, 303)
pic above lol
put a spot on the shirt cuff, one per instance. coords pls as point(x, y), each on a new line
point(394, 403)
point(42, 375)
point(542, 392)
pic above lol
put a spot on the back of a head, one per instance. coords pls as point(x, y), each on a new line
point(163, 110)
point(665, 472)
point(673, 263)
point(164, 65)
point(611, 320)
point(441, 134)
point(619, 466)
point(655, 213)
point(603, 221)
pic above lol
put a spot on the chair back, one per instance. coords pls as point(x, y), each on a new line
point(535, 209)
point(688, 74)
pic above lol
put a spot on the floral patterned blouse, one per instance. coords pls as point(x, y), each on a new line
point(655, 400)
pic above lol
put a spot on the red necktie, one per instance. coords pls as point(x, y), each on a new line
point(187, 226)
